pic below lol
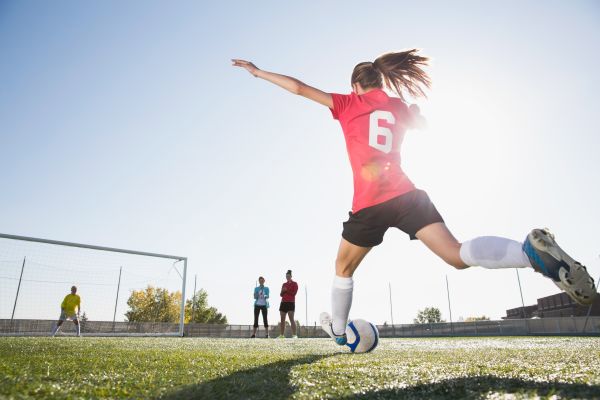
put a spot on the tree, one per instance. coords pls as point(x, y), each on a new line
point(197, 310)
point(83, 320)
point(482, 318)
point(153, 305)
point(430, 315)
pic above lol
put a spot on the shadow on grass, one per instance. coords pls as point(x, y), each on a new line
point(269, 381)
point(272, 381)
point(481, 387)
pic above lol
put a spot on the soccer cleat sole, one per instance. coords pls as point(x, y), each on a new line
point(572, 277)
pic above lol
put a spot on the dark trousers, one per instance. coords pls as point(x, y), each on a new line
point(257, 310)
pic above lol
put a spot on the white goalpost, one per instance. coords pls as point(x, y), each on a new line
point(123, 292)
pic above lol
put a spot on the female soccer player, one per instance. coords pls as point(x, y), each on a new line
point(288, 304)
point(374, 125)
point(261, 304)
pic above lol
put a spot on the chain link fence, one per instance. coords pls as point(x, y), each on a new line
point(509, 327)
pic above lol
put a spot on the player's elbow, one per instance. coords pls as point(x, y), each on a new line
point(299, 88)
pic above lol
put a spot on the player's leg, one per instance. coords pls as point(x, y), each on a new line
point(292, 324)
point(362, 231)
point(255, 326)
point(439, 240)
point(418, 217)
point(539, 251)
point(57, 327)
point(348, 259)
point(265, 320)
point(282, 315)
point(77, 326)
point(60, 321)
point(487, 251)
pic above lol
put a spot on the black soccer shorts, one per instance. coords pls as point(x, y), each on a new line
point(408, 212)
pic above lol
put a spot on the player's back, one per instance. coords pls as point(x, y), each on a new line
point(374, 125)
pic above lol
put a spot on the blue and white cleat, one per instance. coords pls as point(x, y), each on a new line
point(326, 325)
point(550, 260)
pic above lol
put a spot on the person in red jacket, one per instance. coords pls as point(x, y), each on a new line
point(288, 304)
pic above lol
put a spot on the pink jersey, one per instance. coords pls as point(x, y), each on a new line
point(374, 125)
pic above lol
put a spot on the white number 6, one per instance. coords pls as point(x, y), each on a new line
point(375, 131)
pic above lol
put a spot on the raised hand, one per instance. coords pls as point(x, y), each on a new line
point(247, 65)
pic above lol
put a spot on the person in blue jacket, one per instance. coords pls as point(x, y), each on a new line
point(261, 304)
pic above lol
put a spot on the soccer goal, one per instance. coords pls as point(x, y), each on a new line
point(123, 292)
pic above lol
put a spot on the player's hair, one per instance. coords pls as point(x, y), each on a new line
point(400, 72)
point(289, 271)
point(260, 277)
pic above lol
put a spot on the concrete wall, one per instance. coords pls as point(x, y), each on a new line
point(508, 327)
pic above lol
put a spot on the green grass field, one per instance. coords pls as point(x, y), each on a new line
point(195, 368)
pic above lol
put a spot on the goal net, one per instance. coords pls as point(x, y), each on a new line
point(123, 292)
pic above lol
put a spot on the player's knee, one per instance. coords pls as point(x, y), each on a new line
point(460, 265)
point(451, 256)
point(453, 259)
point(456, 262)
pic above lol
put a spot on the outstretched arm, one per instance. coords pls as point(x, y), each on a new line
point(287, 82)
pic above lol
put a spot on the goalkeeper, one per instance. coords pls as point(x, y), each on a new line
point(67, 311)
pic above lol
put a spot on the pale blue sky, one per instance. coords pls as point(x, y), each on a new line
point(123, 124)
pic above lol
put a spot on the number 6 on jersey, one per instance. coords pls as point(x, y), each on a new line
point(375, 131)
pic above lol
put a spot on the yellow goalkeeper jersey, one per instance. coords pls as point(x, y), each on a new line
point(70, 302)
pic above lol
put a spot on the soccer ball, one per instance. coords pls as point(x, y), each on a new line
point(362, 336)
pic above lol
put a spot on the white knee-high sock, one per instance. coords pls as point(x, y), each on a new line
point(494, 252)
point(341, 301)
